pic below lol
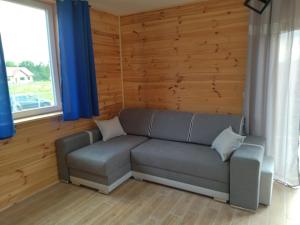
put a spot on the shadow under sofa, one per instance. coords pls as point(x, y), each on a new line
point(170, 148)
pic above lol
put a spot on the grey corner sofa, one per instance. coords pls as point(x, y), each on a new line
point(170, 148)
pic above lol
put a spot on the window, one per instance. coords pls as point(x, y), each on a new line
point(30, 55)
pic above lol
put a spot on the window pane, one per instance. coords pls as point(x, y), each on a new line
point(24, 31)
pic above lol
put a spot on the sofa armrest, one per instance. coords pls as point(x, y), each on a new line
point(68, 144)
point(245, 170)
point(255, 141)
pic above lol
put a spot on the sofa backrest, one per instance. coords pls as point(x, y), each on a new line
point(97, 136)
point(136, 121)
point(206, 127)
point(178, 126)
point(171, 125)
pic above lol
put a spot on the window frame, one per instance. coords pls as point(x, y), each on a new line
point(53, 60)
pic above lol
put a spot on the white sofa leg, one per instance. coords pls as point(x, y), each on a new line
point(138, 178)
point(76, 183)
point(103, 191)
point(221, 200)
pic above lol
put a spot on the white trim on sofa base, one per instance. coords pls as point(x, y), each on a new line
point(241, 208)
point(105, 189)
point(218, 196)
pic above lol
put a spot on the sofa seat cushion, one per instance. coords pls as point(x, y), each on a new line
point(190, 159)
point(104, 158)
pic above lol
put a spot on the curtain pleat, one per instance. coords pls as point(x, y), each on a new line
point(7, 129)
point(272, 94)
point(78, 77)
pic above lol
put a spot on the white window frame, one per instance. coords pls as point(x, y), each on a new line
point(53, 64)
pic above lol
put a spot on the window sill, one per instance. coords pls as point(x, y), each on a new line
point(37, 117)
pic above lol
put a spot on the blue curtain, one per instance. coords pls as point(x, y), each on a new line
point(7, 129)
point(78, 76)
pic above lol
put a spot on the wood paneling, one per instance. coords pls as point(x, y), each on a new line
point(28, 161)
point(189, 58)
point(106, 40)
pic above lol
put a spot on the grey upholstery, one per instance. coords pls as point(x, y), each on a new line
point(171, 125)
point(96, 134)
point(254, 140)
point(178, 151)
point(106, 180)
point(190, 159)
point(245, 171)
point(136, 121)
point(104, 158)
point(266, 181)
point(182, 177)
point(205, 127)
point(68, 144)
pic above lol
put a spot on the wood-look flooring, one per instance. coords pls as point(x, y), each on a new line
point(143, 203)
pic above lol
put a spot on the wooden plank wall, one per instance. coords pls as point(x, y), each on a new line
point(107, 59)
point(189, 58)
point(28, 161)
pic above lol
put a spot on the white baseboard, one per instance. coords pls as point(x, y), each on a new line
point(219, 196)
point(105, 189)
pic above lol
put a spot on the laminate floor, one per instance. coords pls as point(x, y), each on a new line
point(143, 203)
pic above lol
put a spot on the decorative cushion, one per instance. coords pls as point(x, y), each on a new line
point(110, 128)
point(226, 142)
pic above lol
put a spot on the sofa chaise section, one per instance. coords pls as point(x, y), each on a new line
point(101, 165)
point(84, 159)
point(66, 145)
point(103, 162)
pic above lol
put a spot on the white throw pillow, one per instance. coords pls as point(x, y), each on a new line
point(110, 128)
point(226, 142)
